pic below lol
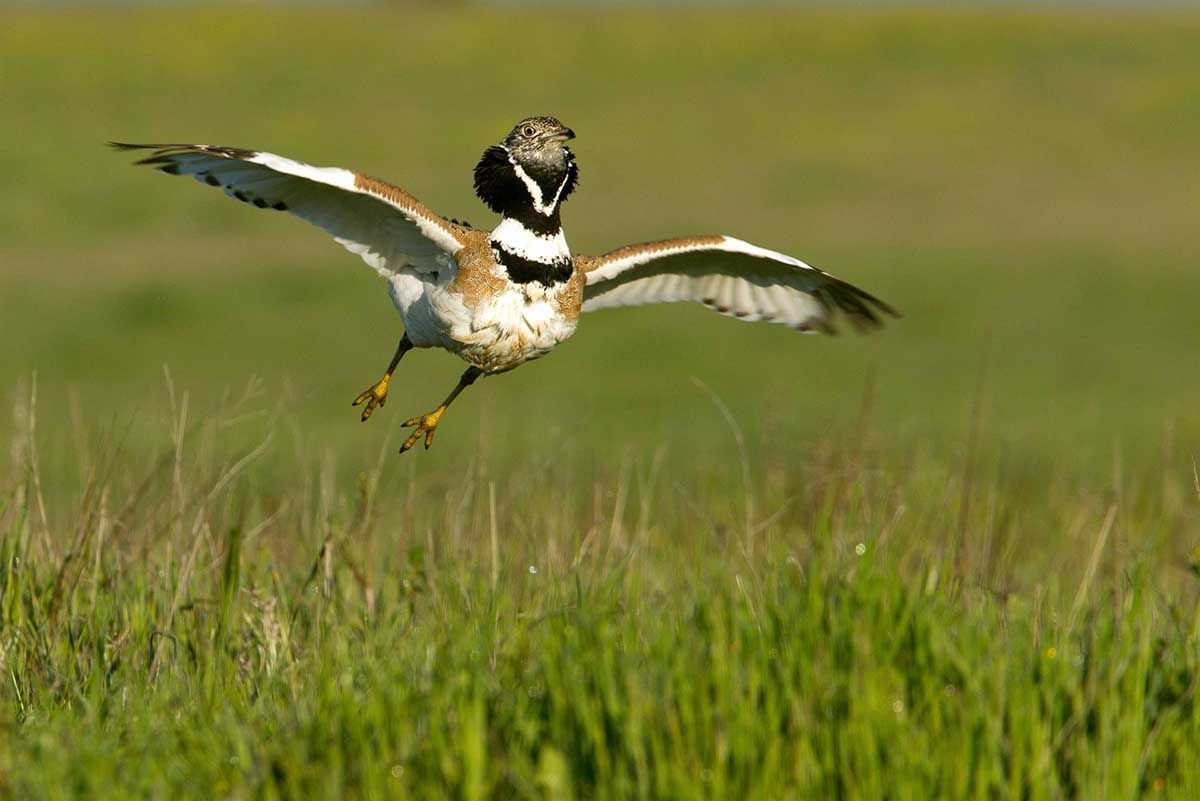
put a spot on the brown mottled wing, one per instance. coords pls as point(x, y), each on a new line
point(731, 276)
point(389, 228)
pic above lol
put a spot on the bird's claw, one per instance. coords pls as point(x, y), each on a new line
point(375, 396)
point(426, 425)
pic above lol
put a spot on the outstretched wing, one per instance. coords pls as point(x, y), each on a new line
point(385, 225)
point(734, 277)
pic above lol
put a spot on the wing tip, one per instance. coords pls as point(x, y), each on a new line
point(160, 159)
point(163, 151)
point(122, 147)
point(864, 310)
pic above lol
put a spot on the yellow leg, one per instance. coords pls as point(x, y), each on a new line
point(427, 423)
point(376, 395)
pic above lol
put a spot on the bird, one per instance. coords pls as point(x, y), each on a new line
point(503, 297)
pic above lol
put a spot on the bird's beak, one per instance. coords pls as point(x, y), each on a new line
point(564, 135)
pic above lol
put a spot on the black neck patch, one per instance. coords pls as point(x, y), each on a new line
point(538, 223)
point(526, 271)
point(496, 182)
point(499, 186)
point(572, 177)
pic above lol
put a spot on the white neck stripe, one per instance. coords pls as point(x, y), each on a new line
point(535, 189)
point(558, 192)
point(518, 240)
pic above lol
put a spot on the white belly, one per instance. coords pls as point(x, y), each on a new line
point(520, 323)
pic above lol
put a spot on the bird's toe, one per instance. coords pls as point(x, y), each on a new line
point(425, 426)
point(374, 396)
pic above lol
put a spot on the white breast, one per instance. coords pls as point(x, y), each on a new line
point(522, 322)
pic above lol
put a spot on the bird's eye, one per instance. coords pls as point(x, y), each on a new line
point(528, 130)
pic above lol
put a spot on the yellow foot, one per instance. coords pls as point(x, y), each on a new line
point(426, 424)
point(375, 396)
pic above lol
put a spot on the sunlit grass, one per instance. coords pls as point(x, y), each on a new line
point(839, 624)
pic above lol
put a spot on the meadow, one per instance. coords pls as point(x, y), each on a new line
point(682, 557)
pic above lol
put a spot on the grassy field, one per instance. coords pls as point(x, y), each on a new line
point(683, 557)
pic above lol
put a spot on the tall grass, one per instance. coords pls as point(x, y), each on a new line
point(852, 625)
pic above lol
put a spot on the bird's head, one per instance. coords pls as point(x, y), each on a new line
point(530, 172)
point(536, 141)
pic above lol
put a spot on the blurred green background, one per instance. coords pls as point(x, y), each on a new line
point(956, 559)
point(1022, 186)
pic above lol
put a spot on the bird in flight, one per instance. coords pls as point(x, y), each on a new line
point(500, 298)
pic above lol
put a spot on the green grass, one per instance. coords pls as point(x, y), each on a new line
point(682, 558)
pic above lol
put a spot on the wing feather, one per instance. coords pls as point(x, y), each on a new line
point(389, 228)
point(733, 277)
point(764, 303)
